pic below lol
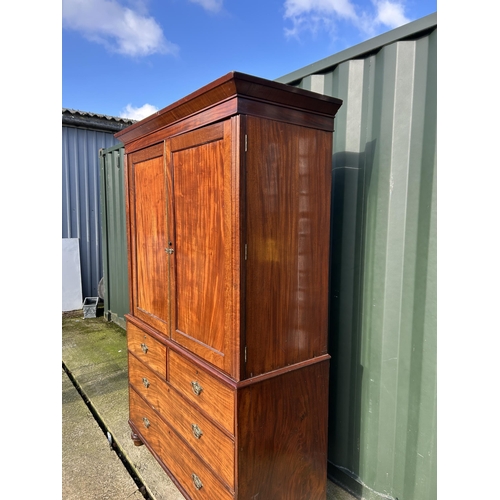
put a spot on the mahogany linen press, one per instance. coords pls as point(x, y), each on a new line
point(228, 225)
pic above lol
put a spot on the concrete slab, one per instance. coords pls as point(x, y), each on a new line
point(90, 468)
point(94, 352)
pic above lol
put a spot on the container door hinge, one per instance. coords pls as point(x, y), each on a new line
point(246, 251)
point(246, 143)
point(245, 354)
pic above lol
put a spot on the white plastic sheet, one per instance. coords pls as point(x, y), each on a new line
point(71, 275)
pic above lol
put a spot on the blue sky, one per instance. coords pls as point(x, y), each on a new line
point(132, 57)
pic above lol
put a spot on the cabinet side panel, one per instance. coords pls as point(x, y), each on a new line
point(282, 436)
point(288, 171)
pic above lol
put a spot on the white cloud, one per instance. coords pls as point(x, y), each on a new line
point(315, 15)
point(138, 113)
point(211, 5)
point(390, 14)
point(342, 8)
point(120, 29)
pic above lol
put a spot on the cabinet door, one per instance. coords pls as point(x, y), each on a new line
point(148, 236)
point(200, 229)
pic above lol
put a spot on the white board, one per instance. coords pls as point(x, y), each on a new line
point(71, 275)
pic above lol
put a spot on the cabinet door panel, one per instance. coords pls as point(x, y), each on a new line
point(200, 183)
point(148, 220)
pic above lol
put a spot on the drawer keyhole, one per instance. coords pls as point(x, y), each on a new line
point(197, 388)
point(197, 433)
point(197, 481)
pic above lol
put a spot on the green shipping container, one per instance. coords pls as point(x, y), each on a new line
point(114, 235)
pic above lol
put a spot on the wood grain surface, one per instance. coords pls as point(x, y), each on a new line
point(288, 171)
point(147, 349)
point(148, 241)
point(215, 398)
point(282, 436)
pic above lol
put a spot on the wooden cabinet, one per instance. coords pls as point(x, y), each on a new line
point(228, 217)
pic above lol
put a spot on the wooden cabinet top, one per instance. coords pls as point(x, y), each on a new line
point(241, 90)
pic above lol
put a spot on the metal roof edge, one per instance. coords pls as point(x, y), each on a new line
point(373, 44)
point(76, 118)
point(111, 149)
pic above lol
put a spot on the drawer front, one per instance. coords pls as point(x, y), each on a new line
point(147, 349)
point(145, 419)
point(149, 385)
point(203, 390)
point(211, 444)
point(190, 471)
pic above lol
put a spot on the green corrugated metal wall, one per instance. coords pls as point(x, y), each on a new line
point(382, 424)
point(114, 236)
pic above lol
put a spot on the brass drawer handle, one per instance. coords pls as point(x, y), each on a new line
point(145, 381)
point(197, 388)
point(144, 348)
point(196, 431)
point(197, 481)
point(146, 422)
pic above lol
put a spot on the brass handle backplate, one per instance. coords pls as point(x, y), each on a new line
point(144, 348)
point(197, 433)
point(197, 388)
point(197, 481)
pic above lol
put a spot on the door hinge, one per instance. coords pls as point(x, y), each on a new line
point(245, 354)
point(246, 251)
point(246, 142)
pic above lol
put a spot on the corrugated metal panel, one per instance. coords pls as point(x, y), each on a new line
point(383, 284)
point(81, 198)
point(114, 236)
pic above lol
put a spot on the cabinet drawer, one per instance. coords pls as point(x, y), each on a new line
point(147, 349)
point(191, 473)
point(214, 446)
point(145, 419)
point(203, 390)
point(149, 385)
